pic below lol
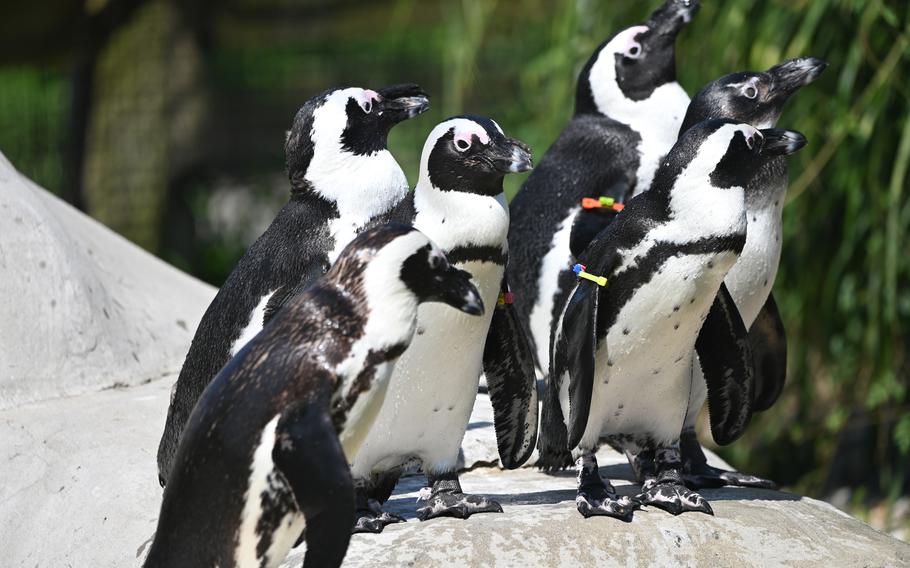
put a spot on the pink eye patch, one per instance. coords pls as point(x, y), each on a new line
point(465, 130)
point(626, 38)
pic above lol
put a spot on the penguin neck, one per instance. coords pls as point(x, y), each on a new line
point(703, 209)
point(656, 119)
point(360, 186)
point(459, 219)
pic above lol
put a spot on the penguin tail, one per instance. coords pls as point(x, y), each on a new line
point(553, 440)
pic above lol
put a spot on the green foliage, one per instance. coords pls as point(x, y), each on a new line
point(32, 122)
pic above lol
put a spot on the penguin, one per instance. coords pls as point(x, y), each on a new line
point(265, 451)
point(343, 178)
point(459, 203)
point(646, 297)
point(756, 98)
point(628, 110)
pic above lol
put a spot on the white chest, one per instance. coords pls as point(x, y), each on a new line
point(752, 277)
point(643, 366)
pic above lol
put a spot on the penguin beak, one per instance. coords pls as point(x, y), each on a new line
point(778, 142)
point(792, 74)
point(402, 102)
point(670, 18)
point(511, 156)
point(456, 290)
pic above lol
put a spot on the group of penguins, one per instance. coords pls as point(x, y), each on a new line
point(631, 275)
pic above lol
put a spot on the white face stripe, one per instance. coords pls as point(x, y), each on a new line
point(656, 119)
point(362, 187)
point(697, 208)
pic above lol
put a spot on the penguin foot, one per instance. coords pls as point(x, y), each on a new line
point(370, 518)
point(597, 498)
point(670, 494)
point(705, 476)
point(446, 499)
point(370, 522)
point(601, 501)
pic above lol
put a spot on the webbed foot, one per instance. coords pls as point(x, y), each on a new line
point(446, 499)
point(374, 519)
point(668, 492)
point(598, 498)
point(704, 475)
point(369, 516)
point(698, 474)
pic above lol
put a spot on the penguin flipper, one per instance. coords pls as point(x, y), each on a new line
point(508, 364)
point(726, 362)
point(769, 348)
point(309, 455)
point(574, 348)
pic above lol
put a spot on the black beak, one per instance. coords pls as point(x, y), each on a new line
point(672, 16)
point(401, 102)
point(511, 156)
point(792, 74)
point(778, 142)
point(456, 290)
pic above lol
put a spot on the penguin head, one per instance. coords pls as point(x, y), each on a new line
point(754, 97)
point(396, 259)
point(635, 62)
point(471, 154)
point(340, 125)
point(726, 152)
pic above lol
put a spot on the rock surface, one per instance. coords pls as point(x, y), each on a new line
point(82, 308)
point(80, 489)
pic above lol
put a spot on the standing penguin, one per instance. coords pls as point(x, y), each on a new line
point(757, 99)
point(622, 363)
point(628, 110)
point(459, 203)
point(265, 452)
point(343, 178)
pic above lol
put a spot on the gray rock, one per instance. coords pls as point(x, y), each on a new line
point(82, 308)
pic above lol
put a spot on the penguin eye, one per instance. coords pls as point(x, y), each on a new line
point(462, 144)
point(437, 260)
point(367, 106)
point(633, 51)
point(750, 92)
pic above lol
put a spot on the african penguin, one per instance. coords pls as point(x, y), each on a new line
point(265, 452)
point(343, 178)
point(756, 99)
point(459, 203)
point(621, 365)
point(628, 109)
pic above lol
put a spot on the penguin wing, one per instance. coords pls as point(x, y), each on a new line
point(726, 361)
point(574, 341)
point(310, 457)
point(769, 348)
point(590, 222)
point(508, 363)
